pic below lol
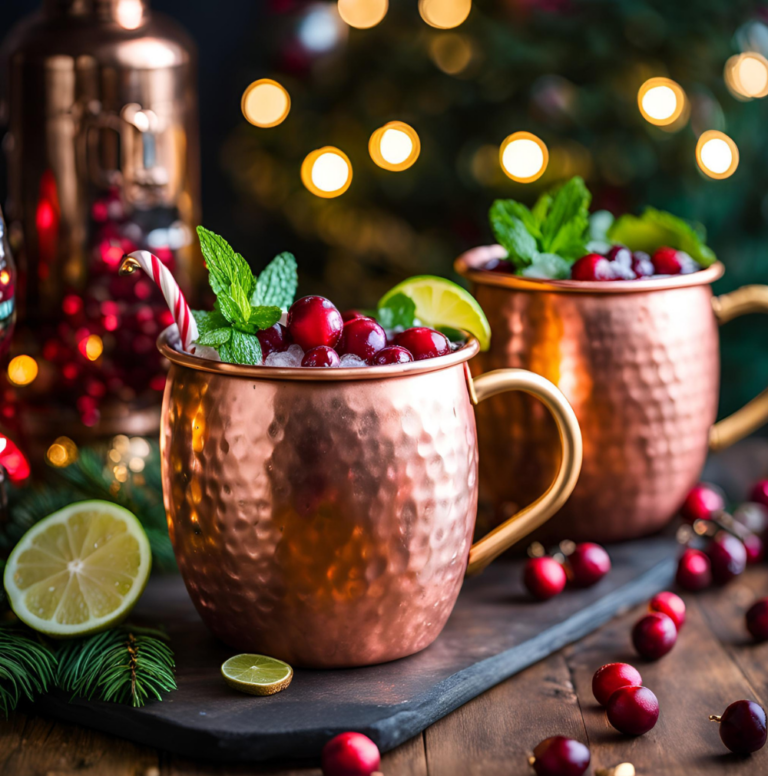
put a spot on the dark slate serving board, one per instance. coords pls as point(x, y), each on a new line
point(494, 632)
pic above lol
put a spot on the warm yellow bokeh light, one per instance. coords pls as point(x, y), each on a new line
point(746, 75)
point(327, 172)
point(524, 157)
point(94, 347)
point(717, 154)
point(451, 52)
point(395, 146)
point(22, 370)
point(661, 101)
point(62, 452)
point(265, 103)
point(362, 14)
point(129, 13)
point(5, 277)
point(444, 14)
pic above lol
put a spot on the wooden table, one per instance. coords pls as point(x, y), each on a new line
point(713, 664)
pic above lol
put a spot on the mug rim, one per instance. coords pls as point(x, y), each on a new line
point(307, 374)
point(467, 265)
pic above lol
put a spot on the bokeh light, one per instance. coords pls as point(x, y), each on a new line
point(451, 52)
point(326, 172)
point(717, 155)
point(746, 75)
point(444, 14)
point(321, 29)
point(129, 13)
point(362, 14)
point(62, 452)
point(395, 146)
point(91, 347)
point(22, 370)
point(661, 101)
point(265, 103)
point(524, 157)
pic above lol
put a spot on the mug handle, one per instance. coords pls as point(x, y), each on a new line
point(531, 517)
point(744, 300)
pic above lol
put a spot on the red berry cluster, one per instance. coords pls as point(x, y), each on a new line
point(545, 577)
point(622, 264)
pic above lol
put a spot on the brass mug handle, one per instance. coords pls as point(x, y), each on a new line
point(744, 300)
point(537, 513)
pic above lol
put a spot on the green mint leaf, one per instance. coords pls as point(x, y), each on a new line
point(228, 307)
point(541, 208)
point(400, 310)
point(278, 282)
point(512, 234)
point(225, 353)
point(216, 337)
point(264, 316)
point(571, 240)
point(571, 202)
point(548, 265)
point(245, 348)
point(503, 209)
point(225, 267)
point(208, 320)
point(240, 298)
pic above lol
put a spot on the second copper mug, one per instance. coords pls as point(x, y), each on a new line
point(639, 362)
point(325, 516)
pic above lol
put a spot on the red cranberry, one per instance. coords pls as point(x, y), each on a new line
point(593, 266)
point(727, 556)
point(694, 571)
point(423, 342)
point(633, 710)
point(667, 262)
point(654, 635)
point(350, 754)
point(275, 339)
point(760, 493)
point(755, 549)
point(560, 756)
point(753, 516)
point(500, 265)
point(612, 677)
point(320, 356)
point(544, 577)
point(701, 503)
point(362, 337)
point(757, 620)
point(642, 265)
point(392, 355)
point(671, 605)
point(351, 315)
point(588, 564)
point(314, 321)
point(620, 259)
point(619, 253)
point(743, 727)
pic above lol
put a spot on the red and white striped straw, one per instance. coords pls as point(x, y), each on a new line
point(174, 296)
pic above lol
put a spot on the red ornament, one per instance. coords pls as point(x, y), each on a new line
point(760, 492)
point(612, 677)
point(743, 727)
point(350, 754)
point(544, 577)
point(560, 756)
point(633, 710)
point(728, 557)
point(654, 635)
point(588, 564)
point(694, 571)
point(701, 503)
point(757, 620)
point(671, 605)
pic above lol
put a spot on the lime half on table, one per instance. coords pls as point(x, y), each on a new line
point(440, 302)
point(256, 674)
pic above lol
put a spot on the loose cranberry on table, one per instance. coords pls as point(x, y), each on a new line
point(423, 342)
point(755, 549)
point(393, 354)
point(753, 516)
point(362, 337)
point(743, 727)
point(654, 635)
point(757, 620)
point(588, 564)
point(760, 493)
point(701, 503)
point(633, 710)
point(275, 339)
point(671, 605)
point(313, 321)
point(544, 577)
point(593, 266)
point(694, 571)
point(612, 677)
point(350, 754)
point(728, 557)
point(321, 356)
point(560, 756)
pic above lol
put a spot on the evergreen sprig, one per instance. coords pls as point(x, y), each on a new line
point(27, 667)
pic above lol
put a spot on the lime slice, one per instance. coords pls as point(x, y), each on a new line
point(78, 571)
point(439, 302)
point(256, 674)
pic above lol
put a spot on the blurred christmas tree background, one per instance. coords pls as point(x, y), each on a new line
point(567, 70)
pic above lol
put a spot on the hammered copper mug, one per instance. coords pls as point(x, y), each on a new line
point(325, 516)
point(638, 361)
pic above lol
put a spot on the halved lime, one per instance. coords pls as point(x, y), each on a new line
point(78, 571)
point(440, 302)
point(256, 674)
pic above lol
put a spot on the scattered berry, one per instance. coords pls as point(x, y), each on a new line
point(362, 337)
point(728, 557)
point(350, 754)
point(612, 677)
point(313, 321)
point(593, 266)
point(588, 564)
point(694, 571)
point(742, 727)
point(755, 549)
point(667, 261)
point(560, 756)
point(671, 605)
point(760, 493)
point(423, 342)
point(753, 516)
point(642, 265)
point(321, 356)
point(275, 339)
point(701, 503)
point(393, 354)
point(757, 620)
point(544, 577)
point(633, 710)
point(654, 635)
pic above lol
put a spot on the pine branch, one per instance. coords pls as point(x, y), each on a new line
point(27, 667)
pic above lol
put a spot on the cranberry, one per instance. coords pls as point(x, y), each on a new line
point(654, 635)
point(701, 503)
point(321, 356)
point(560, 756)
point(755, 549)
point(362, 337)
point(500, 265)
point(593, 266)
point(392, 355)
point(351, 315)
point(423, 342)
point(633, 710)
point(694, 571)
point(753, 516)
point(612, 677)
point(619, 253)
point(728, 557)
point(666, 261)
point(760, 492)
point(757, 620)
point(642, 265)
point(588, 564)
point(620, 259)
point(544, 577)
point(671, 605)
point(350, 754)
point(743, 727)
point(275, 339)
point(314, 321)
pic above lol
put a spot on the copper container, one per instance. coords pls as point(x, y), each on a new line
point(639, 363)
point(325, 516)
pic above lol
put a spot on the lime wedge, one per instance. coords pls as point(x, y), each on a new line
point(439, 302)
point(256, 674)
point(79, 570)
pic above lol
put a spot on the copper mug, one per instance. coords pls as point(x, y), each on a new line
point(638, 361)
point(325, 516)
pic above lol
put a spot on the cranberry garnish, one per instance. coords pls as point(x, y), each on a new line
point(620, 259)
point(423, 342)
point(351, 315)
point(743, 727)
point(671, 605)
point(362, 337)
point(593, 266)
point(321, 356)
point(350, 754)
point(654, 635)
point(633, 710)
point(392, 355)
point(560, 756)
point(727, 556)
point(642, 265)
point(666, 261)
point(701, 503)
point(757, 620)
point(314, 321)
point(544, 577)
point(275, 339)
point(612, 677)
point(500, 265)
point(755, 549)
point(588, 564)
point(760, 492)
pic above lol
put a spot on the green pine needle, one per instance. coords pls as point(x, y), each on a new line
point(27, 667)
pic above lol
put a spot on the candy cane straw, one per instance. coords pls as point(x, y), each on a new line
point(174, 296)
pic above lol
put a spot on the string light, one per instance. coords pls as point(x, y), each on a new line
point(717, 155)
point(265, 103)
point(327, 172)
point(62, 452)
point(22, 370)
point(129, 14)
point(395, 146)
point(91, 347)
point(746, 75)
point(362, 14)
point(444, 14)
point(524, 157)
point(661, 101)
point(451, 52)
